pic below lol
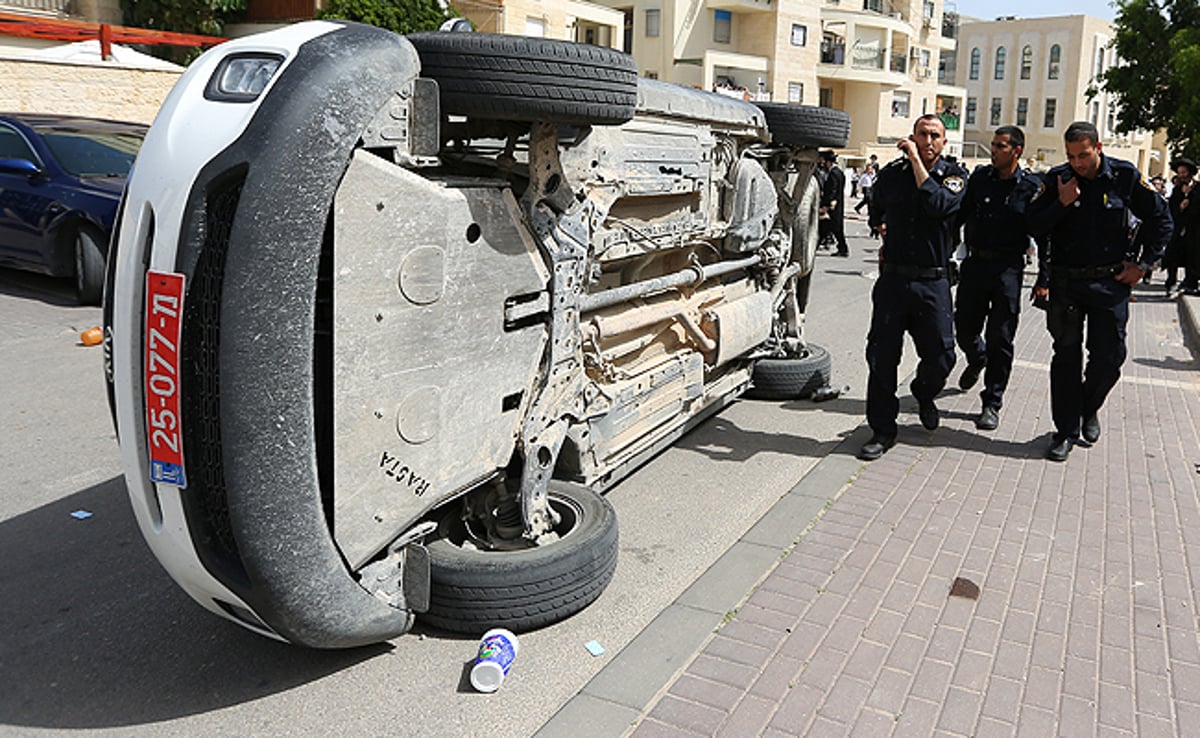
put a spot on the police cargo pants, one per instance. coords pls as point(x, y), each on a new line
point(924, 310)
point(1077, 392)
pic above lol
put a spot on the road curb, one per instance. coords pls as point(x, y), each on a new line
point(616, 696)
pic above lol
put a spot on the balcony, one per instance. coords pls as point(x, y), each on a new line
point(55, 8)
point(741, 6)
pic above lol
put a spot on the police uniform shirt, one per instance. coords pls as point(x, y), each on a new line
point(1093, 231)
point(993, 211)
point(921, 223)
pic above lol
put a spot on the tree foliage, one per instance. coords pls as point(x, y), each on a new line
point(1158, 42)
point(206, 17)
point(400, 16)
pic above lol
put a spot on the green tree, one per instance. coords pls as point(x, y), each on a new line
point(400, 16)
point(206, 17)
point(1158, 42)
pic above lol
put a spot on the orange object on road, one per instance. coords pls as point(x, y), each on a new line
point(91, 337)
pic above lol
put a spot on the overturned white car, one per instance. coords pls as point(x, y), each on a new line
point(386, 314)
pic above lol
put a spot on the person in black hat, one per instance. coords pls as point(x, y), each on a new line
point(833, 201)
point(1184, 238)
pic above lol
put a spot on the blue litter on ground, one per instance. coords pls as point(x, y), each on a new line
point(81, 515)
point(594, 648)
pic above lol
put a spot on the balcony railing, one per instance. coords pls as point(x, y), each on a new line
point(867, 57)
point(951, 121)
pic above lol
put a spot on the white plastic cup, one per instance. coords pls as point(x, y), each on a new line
point(497, 651)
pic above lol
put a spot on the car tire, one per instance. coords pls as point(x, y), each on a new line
point(89, 266)
point(806, 125)
point(473, 590)
point(791, 377)
point(529, 79)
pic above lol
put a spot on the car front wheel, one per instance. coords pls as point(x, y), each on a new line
point(89, 266)
point(473, 589)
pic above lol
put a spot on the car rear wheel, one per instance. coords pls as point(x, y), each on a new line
point(89, 266)
point(472, 590)
point(528, 79)
point(806, 125)
point(792, 377)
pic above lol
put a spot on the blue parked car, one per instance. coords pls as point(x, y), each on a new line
point(61, 180)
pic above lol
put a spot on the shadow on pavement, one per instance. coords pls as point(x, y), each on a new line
point(31, 286)
point(1170, 363)
point(720, 439)
point(96, 635)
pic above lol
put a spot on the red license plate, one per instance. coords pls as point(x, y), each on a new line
point(164, 426)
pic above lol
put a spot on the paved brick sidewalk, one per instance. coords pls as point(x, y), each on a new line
point(1086, 619)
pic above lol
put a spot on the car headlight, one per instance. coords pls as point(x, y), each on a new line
point(242, 77)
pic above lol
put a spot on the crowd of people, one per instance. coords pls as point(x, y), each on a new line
point(1099, 226)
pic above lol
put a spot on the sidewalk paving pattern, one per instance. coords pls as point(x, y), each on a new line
point(1085, 621)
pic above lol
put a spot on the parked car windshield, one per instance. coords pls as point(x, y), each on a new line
point(93, 153)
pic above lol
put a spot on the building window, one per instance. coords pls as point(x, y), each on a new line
point(900, 100)
point(1099, 58)
point(1055, 61)
point(1051, 110)
point(650, 75)
point(653, 20)
point(1027, 62)
point(799, 35)
point(974, 64)
point(1022, 111)
point(971, 111)
point(1094, 112)
point(722, 26)
point(994, 118)
point(1001, 54)
point(825, 97)
point(1111, 123)
point(535, 27)
point(795, 92)
point(928, 10)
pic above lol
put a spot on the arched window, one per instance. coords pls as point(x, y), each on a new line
point(1001, 53)
point(974, 63)
point(1026, 62)
point(1055, 58)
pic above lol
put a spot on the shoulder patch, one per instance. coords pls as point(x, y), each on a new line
point(1040, 188)
point(955, 184)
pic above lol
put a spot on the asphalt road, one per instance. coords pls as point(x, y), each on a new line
point(95, 637)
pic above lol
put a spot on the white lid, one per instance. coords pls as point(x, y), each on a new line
point(486, 676)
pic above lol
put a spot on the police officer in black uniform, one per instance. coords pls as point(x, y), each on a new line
point(989, 287)
point(1083, 206)
point(914, 204)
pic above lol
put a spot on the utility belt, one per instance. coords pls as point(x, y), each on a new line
point(915, 272)
point(1088, 272)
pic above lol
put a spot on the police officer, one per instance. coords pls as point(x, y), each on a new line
point(1083, 206)
point(833, 201)
point(914, 204)
point(989, 287)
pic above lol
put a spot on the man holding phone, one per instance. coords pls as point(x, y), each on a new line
point(915, 201)
point(1083, 206)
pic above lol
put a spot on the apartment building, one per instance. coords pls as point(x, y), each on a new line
point(1036, 73)
point(875, 59)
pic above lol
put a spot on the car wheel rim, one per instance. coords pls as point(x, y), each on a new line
point(466, 535)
